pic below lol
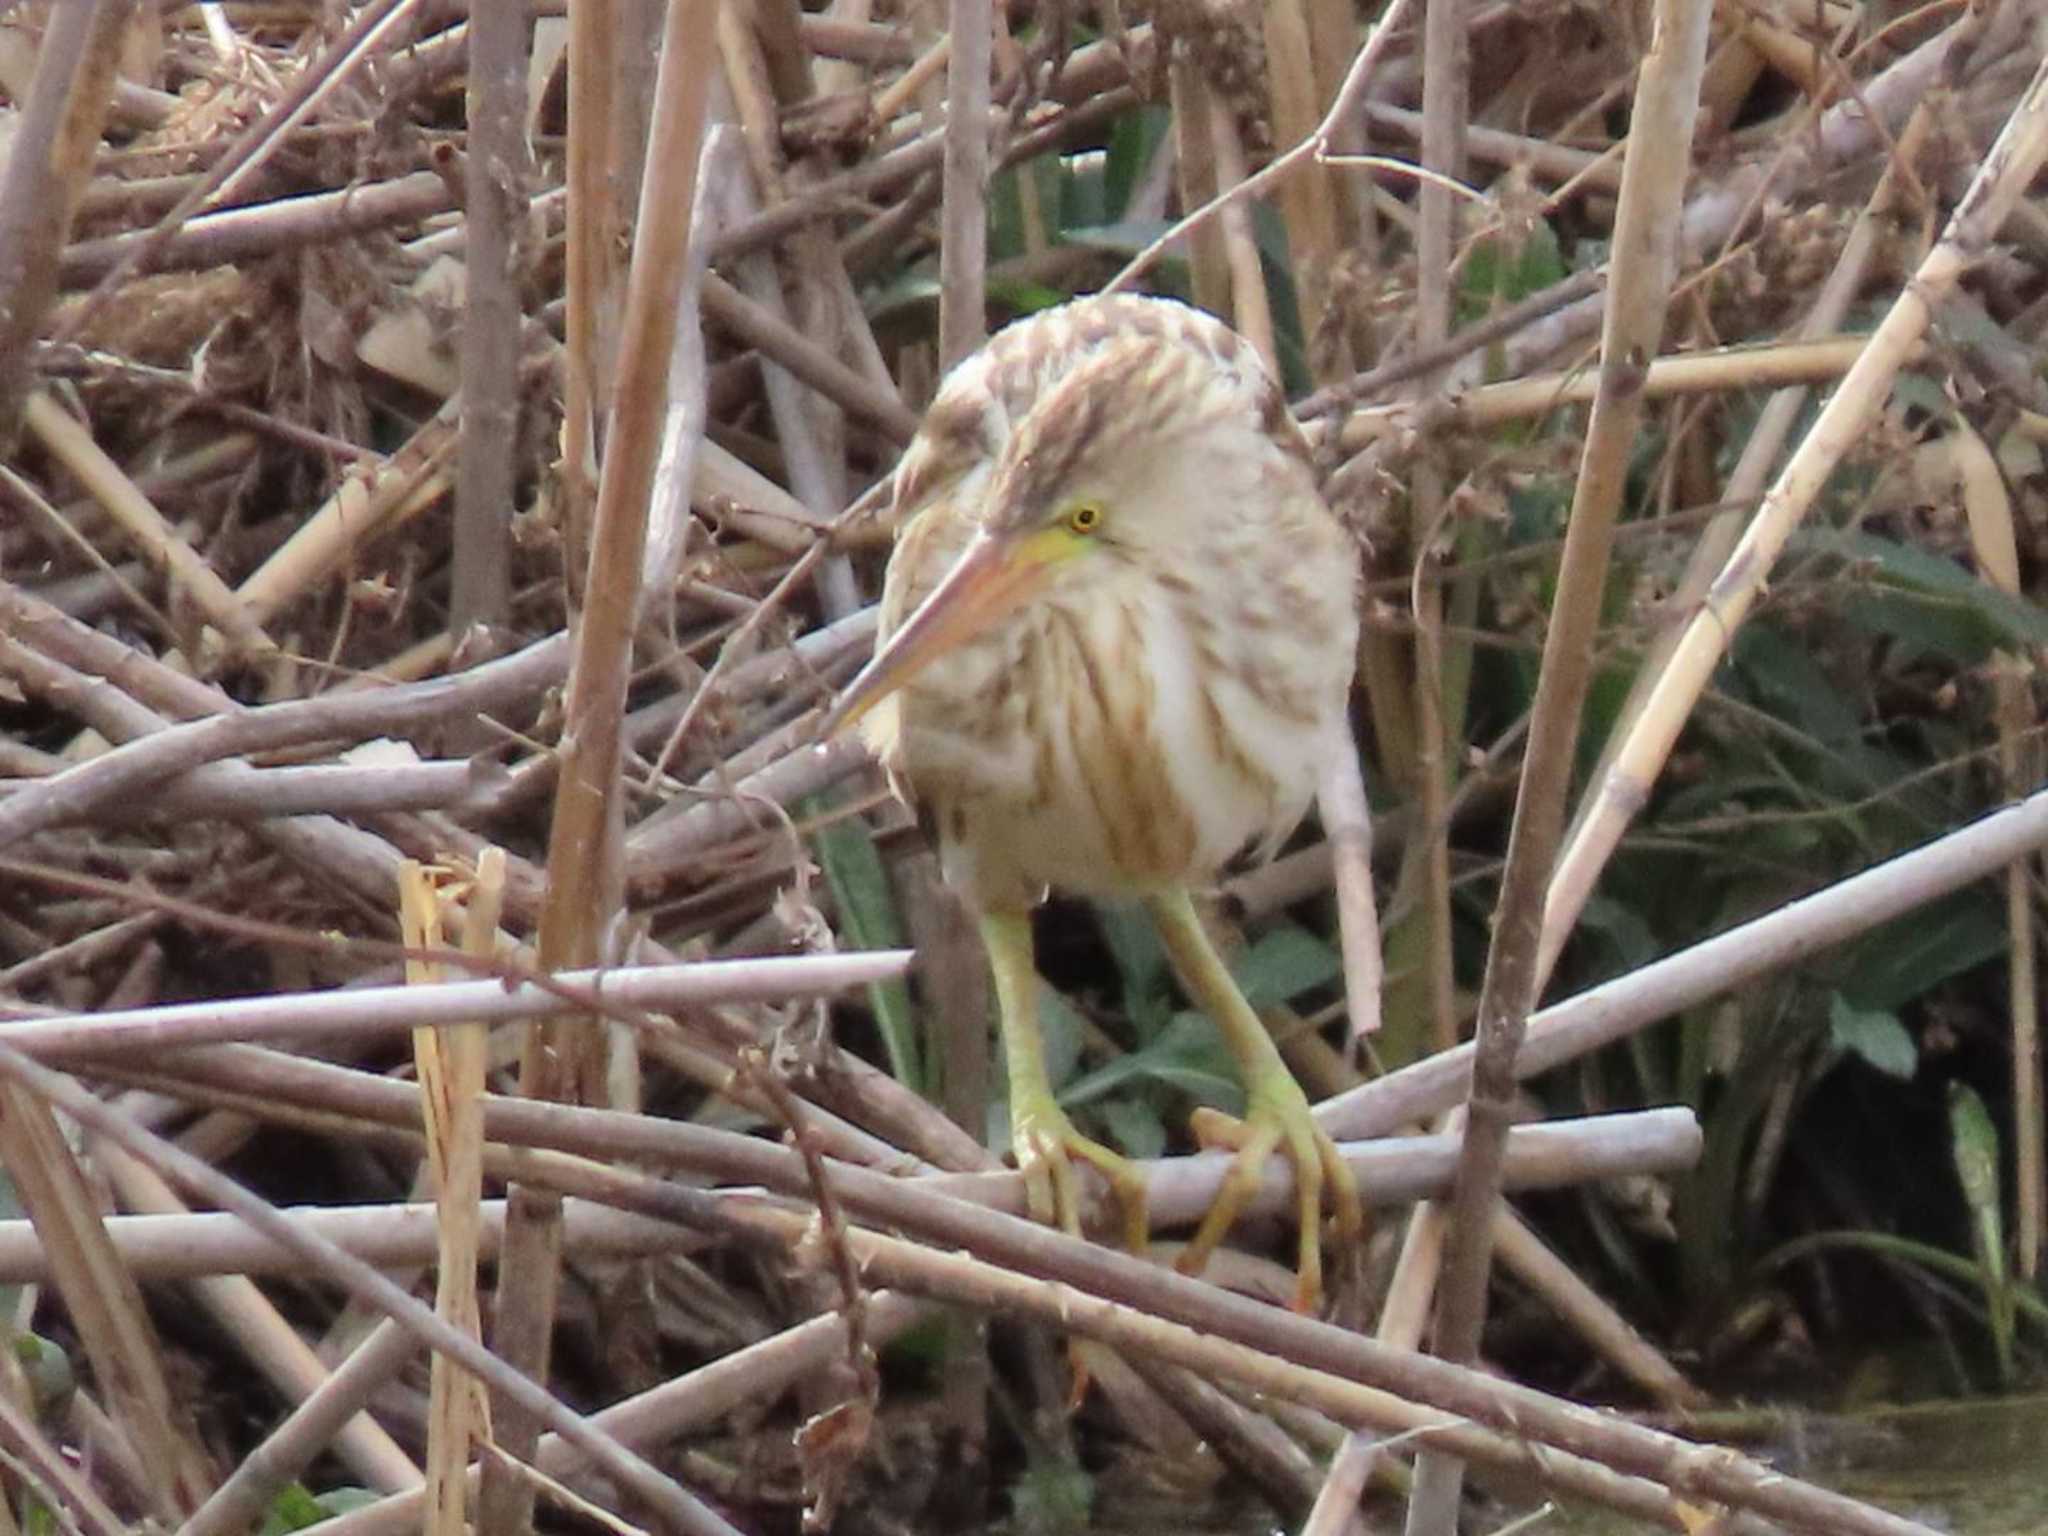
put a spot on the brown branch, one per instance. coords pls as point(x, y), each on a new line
point(49, 159)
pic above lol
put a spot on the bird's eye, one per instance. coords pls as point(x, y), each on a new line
point(1084, 518)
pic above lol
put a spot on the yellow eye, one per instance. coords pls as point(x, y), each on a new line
point(1084, 518)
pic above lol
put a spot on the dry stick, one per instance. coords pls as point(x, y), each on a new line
point(1346, 815)
point(1446, 93)
point(369, 499)
point(53, 1475)
point(450, 1065)
point(783, 343)
point(1404, 1316)
point(72, 445)
point(1427, 360)
point(48, 163)
point(1617, 1009)
point(275, 1351)
point(249, 150)
point(102, 1298)
point(1194, 174)
point(912, 1206)
point(1589, 170)
point(690, 1402)
point(1251, 309)
point(495, 205)
point(376, 1010)
point(1645, 264)
point(260, 229)
point(367, 865)
point(398, 1236)
point(1307, 203)
point(237, 792)
point(589, 281)
point(239, 1502)
point(963, 241)
point(1995, 190)
point(105, 782)
point(1447, 70)
point(674, 1503)
point(1084, 87)
point(583, 856)
point(1745, 367)
point(1107, 1294)
point(252, 1081)
point(1845, 135)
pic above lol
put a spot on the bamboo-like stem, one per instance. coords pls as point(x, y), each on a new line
point(672, 1502)
point(48, 163)
point(963, 247)
point(72, 444)
point(378, 1010)
point(563, 1059)
point(2011, 164)
point(495, 212)
point(1646, 263)
point(1616, 1009)
point(1718, 539)
point(589, 277)
point(1433, 1500)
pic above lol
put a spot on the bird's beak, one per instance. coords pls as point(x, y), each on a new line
point(993, 577)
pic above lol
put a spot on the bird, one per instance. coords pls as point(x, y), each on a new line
point(1117, 623)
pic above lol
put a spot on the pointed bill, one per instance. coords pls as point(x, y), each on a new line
point(992, 579)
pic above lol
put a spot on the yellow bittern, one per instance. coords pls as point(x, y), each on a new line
point(1118, 621)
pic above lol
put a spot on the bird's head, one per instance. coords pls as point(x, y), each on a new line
point(1075, 497)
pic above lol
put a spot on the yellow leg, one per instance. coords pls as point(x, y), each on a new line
point(1044, 1138)
point(1276, 1116)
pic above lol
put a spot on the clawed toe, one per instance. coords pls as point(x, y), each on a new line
point(1279, 1121)
point(1046, 1145)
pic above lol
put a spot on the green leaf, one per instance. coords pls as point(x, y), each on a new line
point(1975, 1143)
point(1061, 1030)
point(1051, 1497)
point(293, 1509)
point(1936, 580)
point(1285, 962)
point(1501, 271)
point(1134, 1126)
point(1134, 138)
point(1905, 959)
point(868, 920)
point(1790, 684)
point(1626, 932)
point(1873, 1034)
point(1188, 1056)
point(1141, 966)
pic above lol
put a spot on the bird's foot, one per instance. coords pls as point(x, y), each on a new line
point(1046, 1145)
point(1277, 1118)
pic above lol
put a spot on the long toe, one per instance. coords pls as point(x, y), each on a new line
point(1047, 1146)
point(1278, 1120)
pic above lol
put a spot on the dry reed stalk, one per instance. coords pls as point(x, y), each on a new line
point(450, 1061)
point(49, 161)
point(150, 531)
point(2010, 164)
point(495, 209)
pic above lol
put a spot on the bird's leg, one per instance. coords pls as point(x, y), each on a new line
point(1276, 1115)
point(1044, 1138)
